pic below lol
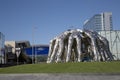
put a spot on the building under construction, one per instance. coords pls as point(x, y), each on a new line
point(113, 37)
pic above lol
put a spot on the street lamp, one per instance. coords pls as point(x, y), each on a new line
point(32, 45)
point(34, 55)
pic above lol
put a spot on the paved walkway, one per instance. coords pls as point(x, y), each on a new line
point(60, 76)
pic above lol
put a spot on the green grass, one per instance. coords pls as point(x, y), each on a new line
point(82, 67)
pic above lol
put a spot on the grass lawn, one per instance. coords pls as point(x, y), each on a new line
point(82, 67)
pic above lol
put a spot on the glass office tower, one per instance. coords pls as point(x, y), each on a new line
point(99, 22)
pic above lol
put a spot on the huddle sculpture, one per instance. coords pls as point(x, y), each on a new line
point(76, 45)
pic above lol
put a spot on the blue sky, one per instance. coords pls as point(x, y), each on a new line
point(41, 20)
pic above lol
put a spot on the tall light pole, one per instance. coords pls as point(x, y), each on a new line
point(32, 45)
point(34, 54)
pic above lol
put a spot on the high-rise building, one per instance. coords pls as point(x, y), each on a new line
point(2, 51)
point(99, 22)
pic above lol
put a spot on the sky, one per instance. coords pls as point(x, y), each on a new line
point(38, 21)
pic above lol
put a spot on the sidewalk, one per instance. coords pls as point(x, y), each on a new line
point(59, 76)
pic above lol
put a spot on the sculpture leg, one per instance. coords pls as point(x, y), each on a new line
point(79, 48)
point(102, 50)
point(70, 44)
point(54, 51)
point(104, 55)
point(60, 50)
point(101, 58)
point(99, 55)
point(95, 53)
point(108, 52)
point(74, 54)
point(52, 43)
